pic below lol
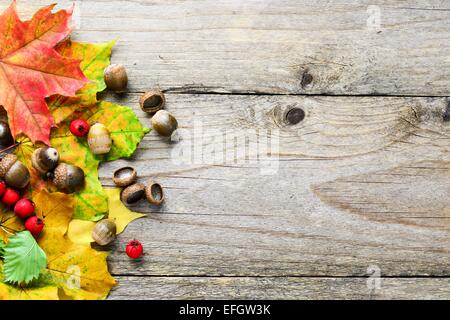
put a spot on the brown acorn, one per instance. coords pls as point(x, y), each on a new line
point(164, 123)
point(68, 178)
point(104, 232)
point(124, 176)
point(6, 138)
point(152, 101)
point(99, 139)
point(45, 159)
point(154, 193)
point(133, 194)
point(116, 78)
point(14, 172)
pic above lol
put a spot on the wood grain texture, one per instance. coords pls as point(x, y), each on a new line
point(394, 195)
point(362, 181)
point(229, 219)
point(278, 288)
point(274, 46)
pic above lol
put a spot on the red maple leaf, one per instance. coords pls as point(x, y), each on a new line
point(31, 69)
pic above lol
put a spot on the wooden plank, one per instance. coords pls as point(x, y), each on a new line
point(285, 46)
point(233, 218)
point(279, 288)
point(360, 184)
point(389, 198)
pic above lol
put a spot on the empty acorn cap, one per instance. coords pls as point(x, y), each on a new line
point(133, 194)
point(152, 101)
point(125, 176)
point(154, 193)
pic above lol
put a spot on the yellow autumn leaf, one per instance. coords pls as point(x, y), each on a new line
point(80, 230)
point(10, 292)
point(9, 224)
point(80, 271)
point(118, 212)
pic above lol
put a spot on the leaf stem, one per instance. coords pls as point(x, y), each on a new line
point(9, 148)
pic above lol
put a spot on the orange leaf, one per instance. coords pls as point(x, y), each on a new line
point(31, 69)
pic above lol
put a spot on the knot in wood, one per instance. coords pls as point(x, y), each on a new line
point(307, 78)
point(295, 115)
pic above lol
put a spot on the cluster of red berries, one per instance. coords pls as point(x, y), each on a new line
point(23, 208)
point(79, 128)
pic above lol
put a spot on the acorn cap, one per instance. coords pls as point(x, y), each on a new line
point(154, 193)
point(45, 159)
point(6, 163)
point(133, 194)
point(152, 101)
point(124, 176)
point(68, 178)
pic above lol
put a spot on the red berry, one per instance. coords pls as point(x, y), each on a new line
point(134, 249)
point(79, 127)
point(2, 187)
point(10, 197)
point(24, 208)
point(34, 225)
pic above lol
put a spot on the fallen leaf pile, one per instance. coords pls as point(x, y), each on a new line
point(46, 81)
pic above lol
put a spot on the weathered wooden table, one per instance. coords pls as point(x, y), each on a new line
point(358, 188)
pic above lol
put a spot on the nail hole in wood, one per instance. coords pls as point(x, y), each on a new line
point(307, 78)
point(295, 115)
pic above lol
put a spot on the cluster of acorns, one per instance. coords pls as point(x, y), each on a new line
point(134, 192)
point(163, 122)
point(105, 230)
point(68, 178)
point(14, 176)
point(151, 102)
point(100, 142)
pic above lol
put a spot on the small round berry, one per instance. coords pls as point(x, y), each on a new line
point(134, 249)
point(10, 197)
point(34, 225)
point(24, 208)
point(2, 187)
point(79, 128)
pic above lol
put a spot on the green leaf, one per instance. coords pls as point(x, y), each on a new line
point(24, 259)
point(2, 248)
point(94, 59)
point(91, 203)
point(124, 126)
